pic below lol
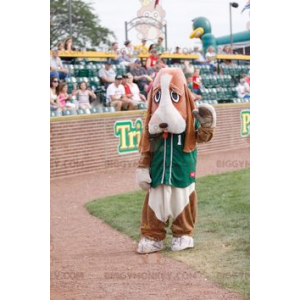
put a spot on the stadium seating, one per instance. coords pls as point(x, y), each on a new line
point(216, 89)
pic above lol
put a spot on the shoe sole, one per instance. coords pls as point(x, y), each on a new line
point(150, 251)
point(190, 247)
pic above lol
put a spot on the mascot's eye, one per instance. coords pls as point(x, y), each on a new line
point(174, 96)
point(155, 15)
point(157, 96)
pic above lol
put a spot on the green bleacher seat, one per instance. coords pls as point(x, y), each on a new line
point(69, 112)
point(96, 110)
point(111, 109)
point(55, 114)
point(83, 111)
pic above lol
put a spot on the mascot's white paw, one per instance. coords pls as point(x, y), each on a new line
point(206, 115)
point(143, 178)
point(148, 246)
point(182, 242)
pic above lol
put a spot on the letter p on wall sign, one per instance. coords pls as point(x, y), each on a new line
point(129, 135)
point(245, 123)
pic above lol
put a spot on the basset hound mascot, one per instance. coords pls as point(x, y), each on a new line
point(167, 166)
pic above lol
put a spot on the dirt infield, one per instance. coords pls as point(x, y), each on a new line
point(90, 260)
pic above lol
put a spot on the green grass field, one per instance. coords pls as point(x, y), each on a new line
point(222, 233)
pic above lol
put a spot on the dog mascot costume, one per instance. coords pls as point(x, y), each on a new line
point(167, 167)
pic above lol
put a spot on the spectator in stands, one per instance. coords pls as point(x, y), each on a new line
point(226, 50)
point(159, 58)
point(143, 49)
point(211, 58)
point(243, 89)
point(54, 105)
point(189, 80)
point(176, 60)
point(56, 67)
point(177, 50)
point(115, 94)
point(128, 103)
point(68, 45)
point(197, 83)
point(60, 46)
point(159, 47)
point(115, 49)
point(63, 98)
point(83, 96)
point(126, 86)
point(201, 60)
point(188, 68)
point(128, 49)
point(127, 55)
point(140, 75)
point(107, 74)
point(152, 58)
point(152, 72)
point(137, 96)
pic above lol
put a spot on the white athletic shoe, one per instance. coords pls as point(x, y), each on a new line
point(182, 242)
point(147, 246)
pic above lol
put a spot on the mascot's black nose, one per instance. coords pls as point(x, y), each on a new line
point(163, 125)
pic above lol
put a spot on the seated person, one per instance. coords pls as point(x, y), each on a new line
point(54, 106)
point(131, 102)
point(63, 99)
point(135, 91)
point(188, 68)
point(56, 67)
point(159, 47)
point(176, 60)
point(189, 80)
point(201, 60)
point(83, 96)
point(115, 94)
point(115, 49)
point(107, 74)
point(142, 49)
point(152, 72)
point(243, 89)
point(152, 58)
point(140, 75)
point(211, 58)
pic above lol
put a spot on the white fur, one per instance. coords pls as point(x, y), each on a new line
point(166, 111)
point(168, 201)
point(142, 176)
point(213, 112)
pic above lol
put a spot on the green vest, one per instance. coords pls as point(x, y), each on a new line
point(170, 165)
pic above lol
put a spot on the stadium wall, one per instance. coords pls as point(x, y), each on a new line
point(90, 143)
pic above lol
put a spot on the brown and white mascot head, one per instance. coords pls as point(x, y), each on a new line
point(170, 109)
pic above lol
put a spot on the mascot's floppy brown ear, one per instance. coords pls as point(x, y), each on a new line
point(190, 134)
point(145, 142)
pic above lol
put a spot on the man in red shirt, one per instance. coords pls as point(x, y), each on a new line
point(129, 104)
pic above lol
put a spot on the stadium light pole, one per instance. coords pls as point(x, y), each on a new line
point(235, 5)
point(70, 17)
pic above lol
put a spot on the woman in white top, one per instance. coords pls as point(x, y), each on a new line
point(54, 105)
point(137, 97)
point(83, 96)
